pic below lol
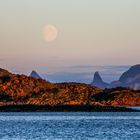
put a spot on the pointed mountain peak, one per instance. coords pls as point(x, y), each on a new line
point(97, 77)
point(34, 74)
point(97, 81)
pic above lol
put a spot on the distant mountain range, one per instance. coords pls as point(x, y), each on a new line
point(129, 79)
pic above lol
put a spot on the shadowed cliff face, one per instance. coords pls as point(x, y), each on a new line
point(21, 89)
point(97, 81)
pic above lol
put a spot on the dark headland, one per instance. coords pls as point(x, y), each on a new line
point(27, 93)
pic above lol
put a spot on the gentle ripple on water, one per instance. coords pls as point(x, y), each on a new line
point(69, 126)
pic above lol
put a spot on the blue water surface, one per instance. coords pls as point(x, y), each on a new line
point(70, 126)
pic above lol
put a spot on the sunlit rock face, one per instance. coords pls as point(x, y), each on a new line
point(130, 78)
point(97, 81)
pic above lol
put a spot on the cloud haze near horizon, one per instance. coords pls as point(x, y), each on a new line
point(90, 32)
point(85, 73)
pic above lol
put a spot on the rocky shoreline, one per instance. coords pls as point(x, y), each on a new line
point(63, 108)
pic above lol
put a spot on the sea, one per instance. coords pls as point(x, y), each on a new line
point(70, 126)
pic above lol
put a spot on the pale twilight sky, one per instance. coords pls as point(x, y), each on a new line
point(90, 32)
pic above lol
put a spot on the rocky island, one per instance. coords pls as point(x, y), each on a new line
point(28, 93)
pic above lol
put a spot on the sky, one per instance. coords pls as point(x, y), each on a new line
point(90, 33)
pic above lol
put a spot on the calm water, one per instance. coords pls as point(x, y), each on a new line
point(67, 126)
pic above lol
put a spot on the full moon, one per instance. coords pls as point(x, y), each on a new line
point(50, 33)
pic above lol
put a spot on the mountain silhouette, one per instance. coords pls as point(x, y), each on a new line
point(34, 74)
point(131, 73)
point(130, 78)
point(97, 81)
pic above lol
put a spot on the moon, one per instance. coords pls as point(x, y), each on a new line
point(50, 33)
